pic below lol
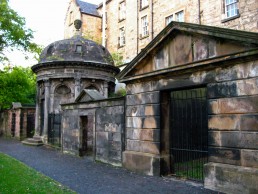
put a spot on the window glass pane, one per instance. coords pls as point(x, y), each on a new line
point(231, 8)
point(78, 48)
point(144, 26)
point(169, 19)
point(122, 36)
point(180, 16)
point(144, 3)
point(122, 10)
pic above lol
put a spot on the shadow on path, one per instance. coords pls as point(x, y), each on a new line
point(85, 176)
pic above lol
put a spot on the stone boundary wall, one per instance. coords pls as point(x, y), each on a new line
point(3, 123)
point(20, 131)
point(108, 129)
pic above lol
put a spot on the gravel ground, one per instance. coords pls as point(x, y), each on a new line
point(85, 176)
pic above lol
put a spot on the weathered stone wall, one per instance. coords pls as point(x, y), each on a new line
point(3, 122)
point(108, 129)
point(73, 13)
point(233, 108)
point(20, 131)
point(110, 133)
point(233, 130)
point(211, 13)
point(91, 25)
point(17, 124)
point(142, 129)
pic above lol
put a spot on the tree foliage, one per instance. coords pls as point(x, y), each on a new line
point(117, 58)
point(17, 84)
point(13, 33)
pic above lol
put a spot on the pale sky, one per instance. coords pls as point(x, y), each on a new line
point(45, 18)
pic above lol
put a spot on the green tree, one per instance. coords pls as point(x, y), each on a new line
point(117, 58)
point(13, 33)
point(17, 85)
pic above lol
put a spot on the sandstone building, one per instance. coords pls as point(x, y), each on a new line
point(132, 24)
point(192, 100)
point(190, 110)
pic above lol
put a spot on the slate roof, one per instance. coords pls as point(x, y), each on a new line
point(16, 105)
point(65, 50)
point(87, 8)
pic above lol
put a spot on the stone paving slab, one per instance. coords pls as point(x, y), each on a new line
point(85, 176)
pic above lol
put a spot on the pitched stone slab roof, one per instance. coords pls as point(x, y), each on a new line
point(89, 95)
point(88, 8)
point(249, 41)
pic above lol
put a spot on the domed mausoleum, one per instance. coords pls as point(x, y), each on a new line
point(66, 68)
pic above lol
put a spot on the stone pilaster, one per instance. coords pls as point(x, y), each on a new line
point(46, 107)
point(77, 88)
point(105, 91)
point(37, 123)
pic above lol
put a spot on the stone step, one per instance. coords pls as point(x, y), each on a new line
point(35, 141)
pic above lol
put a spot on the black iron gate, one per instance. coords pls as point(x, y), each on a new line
point(188, 133)
point(30, 125)
point(54, 129)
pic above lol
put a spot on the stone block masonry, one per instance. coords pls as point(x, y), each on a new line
point(107, 128)
point(142, 129)
point(233, 123)
point(110, 133)
point(208, 12)
point(232, 98)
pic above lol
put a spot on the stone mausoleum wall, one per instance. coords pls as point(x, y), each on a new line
point(107, 124)
point(232, 94)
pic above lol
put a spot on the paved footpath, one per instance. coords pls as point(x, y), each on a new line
point(85, 176)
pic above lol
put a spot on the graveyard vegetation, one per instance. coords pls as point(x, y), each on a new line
point(19, 178)
point(17, 84)
point(14, 34)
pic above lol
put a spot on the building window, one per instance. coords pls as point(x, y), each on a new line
point(121, 37)
point(180, 16)
point(70, 18)
point(231, 8)
point(144, 3)
point(122, 10)
point(144, 26)
point(169, 19)
point(78, 49)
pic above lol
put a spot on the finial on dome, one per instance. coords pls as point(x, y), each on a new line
point(77, 24)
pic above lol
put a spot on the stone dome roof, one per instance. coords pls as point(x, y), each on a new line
point(76, 49)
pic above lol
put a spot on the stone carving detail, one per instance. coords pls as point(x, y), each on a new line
point(62, 90)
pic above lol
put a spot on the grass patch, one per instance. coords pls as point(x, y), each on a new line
point(192, 169)
point(16, 177)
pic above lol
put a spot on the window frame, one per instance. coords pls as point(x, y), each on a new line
point(169, 19)
point(70, 18)
point(144, 4)
point(122, 11)
point(144, 26)
point(177, 18)
point(228, 8)
point(78, 48)
point(121, 39)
